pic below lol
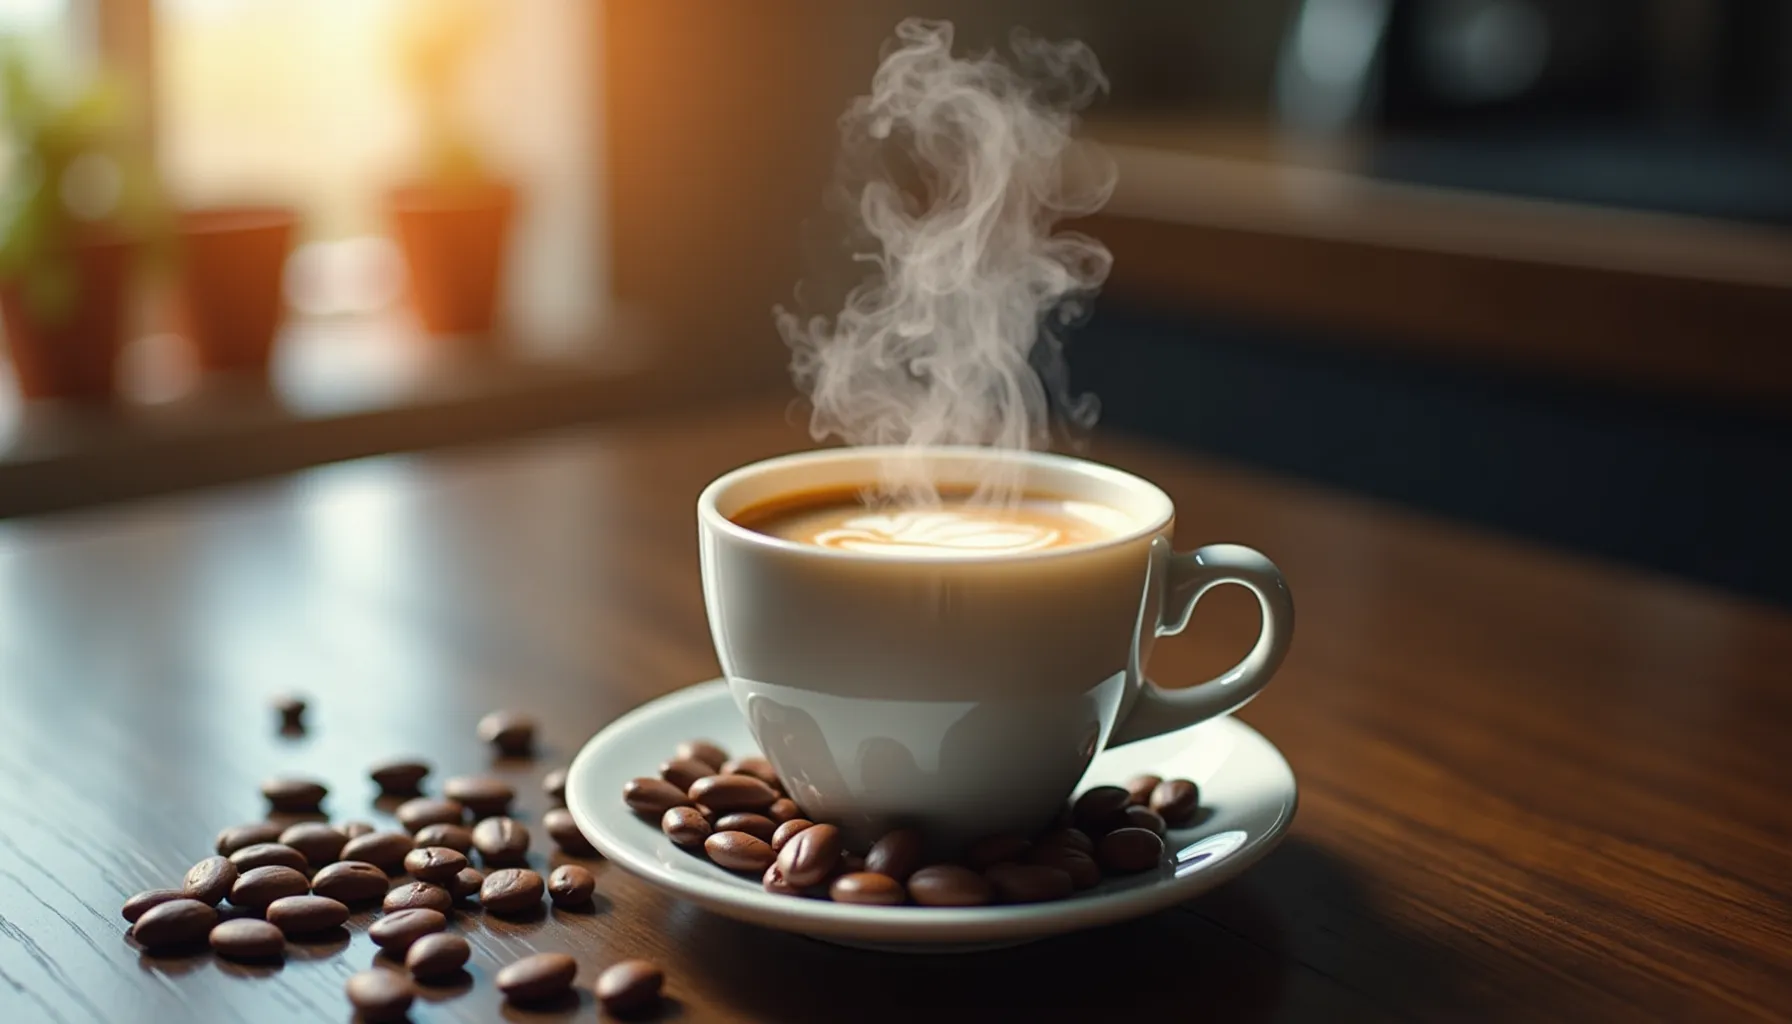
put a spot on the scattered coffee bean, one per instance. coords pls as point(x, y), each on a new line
point(355, 829)
point(294, 796)
point(466, 884)
point(756, 766)
point(727, 793)
point(629, 987)
point(247, 938)
point(652, 797)
point(685, 826)
point(511, 733)
point(774, 882)
point(571, 886)
point(483, 795)
point(783, 833)
point(417, 896)
point(1082, 869)
point(500, 840)
point(320, 843)
point(174, 923)
point(867, 888)
point(434, 864)
point(1101, 809)
point(949, 885)
point(783, 809)
point(458, 838)
point(395, 932)
point(684, 772)
point(897, 854)
point(415, 813)
point(564, 831)
point(381, 996)
point(1130, 850)
point(291, 709)
point(209, 881)
point(748, 822)
point(1145, 818)
point(995, 850)
point(306, 915)
point(351, 881)
point(1139, 787)
point(554, 784)
point(384, 850)
point(258, 887)
point(138, 905)
point(1176, 800)
point(738, 851)
point(538, 978)
point(236, 837)
point(1029, 883)
point(811, 855)
point(437, 956)
point(702, 750)
point(399, 778)
point(511, 891)
point(263, 855)
point(1075, 839)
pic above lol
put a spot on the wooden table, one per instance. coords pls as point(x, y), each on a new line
point(1533, 787)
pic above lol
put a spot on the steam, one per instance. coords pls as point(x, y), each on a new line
point(961, 167)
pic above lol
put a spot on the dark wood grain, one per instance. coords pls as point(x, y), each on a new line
point(1532, 787)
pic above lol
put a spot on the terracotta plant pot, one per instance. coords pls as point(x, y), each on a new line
point(73, 356)
point(232, 262)
point(454, 239)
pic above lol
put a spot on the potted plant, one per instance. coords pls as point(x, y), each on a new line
point(232, 263)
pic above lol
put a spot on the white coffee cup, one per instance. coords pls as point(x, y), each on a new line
point(963, 696)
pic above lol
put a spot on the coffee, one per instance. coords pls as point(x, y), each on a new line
point(954, 527)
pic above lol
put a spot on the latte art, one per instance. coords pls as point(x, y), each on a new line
point(954, 528)
point(937, 533)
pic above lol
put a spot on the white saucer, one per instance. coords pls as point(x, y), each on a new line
point(1247, 798)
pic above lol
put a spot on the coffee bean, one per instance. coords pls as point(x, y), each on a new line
point(949, 885)
point(294, 795)
point(538, 978)
point(466, 884)
point(571, 886)
point(511, 891)
point(702, 750)
point(174, 923)
point(417, 896)
point(320, 843)
point(738, 851)
point(438, 956)
point(1029, 883)
point(709, 815)
point(1176, 800)
point(783, 833)
point(1130, 850)
point(511, 733)
point(850, 862)
point(756, 766)
point(247, 938)
point(291, 709)
point(782, 810)
point(685, 826)
point(1075, 839)
point(652, 797)
point(629, 987)
point(773, 881)
point(434, 864)
point(137, 905)
point(554, 784)
point(306, 915)
point(236, 837)
point(897, 854)
point(811, 855)
point(1078, 865)
point(727, 793)
point(1139, 787)
point(415, 813)
point(1101, 810)
point(564, 831)
point(500, 840)
point(995, 850)
point(684, 772)
point(381, 996)
point(355, 829)
point(209, 881)
point(748, 822)
point(263, 855)
point(351, 881)
point(458, 838)
point(258, 887)
point(399, 778)
point(384, 850)
point(868, 888)
point(395, 932)
point(483, 795)
point(1145, 818)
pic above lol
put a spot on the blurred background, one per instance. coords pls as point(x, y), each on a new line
point(1523, 263)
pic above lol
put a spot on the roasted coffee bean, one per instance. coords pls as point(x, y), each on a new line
point(756, 766)
point(897, 854)
point(571, 886)
point(294, 796)
point(702, 750)
point(554, 784)
point(1078, 865)
point(395, 932)
point(512, 734)
point(1176, 800)
point(263, 855)
point(783, 833)
point(500, 840)
point(236, 837)
point(415, 813)
point(258, 887)
point(748, 822)
point(653, 797)
point(511, 891)
point(1130, 850)
point(1145, 818)
point(458, 838)
point(782, 810)
point(1139, 787)
point(437, 956)
point(538, 978)
point(174, 923)
point(466, 884)
point(738, 851)
point(1101, 810)
point(1029, 883)
point(850, 862)
point(709, 815)
point(564, 831)
point(728, 793)
point(684, 772)
point(306, 915)
point(685, 826)
point(384, 850)
point(138, 905)
point(1075, 839)
point(291, 709)
point(868, 888)
point(417, 896)
point(247, 938)
point(811, 855)
point(995, 850)
point(632, 986)
point(320, 843)
point(209, 881)
point(381, 996)
point(434, 864)
point(949, 885)
point(355, 829)
point(351, 881)
point(483, 795)
point(399, 778)
point(773, 881)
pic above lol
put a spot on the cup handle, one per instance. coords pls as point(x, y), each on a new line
point(1186, 578)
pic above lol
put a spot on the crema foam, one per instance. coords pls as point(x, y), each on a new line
point(951, 529)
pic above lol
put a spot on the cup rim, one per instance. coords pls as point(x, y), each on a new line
point(710, 517)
